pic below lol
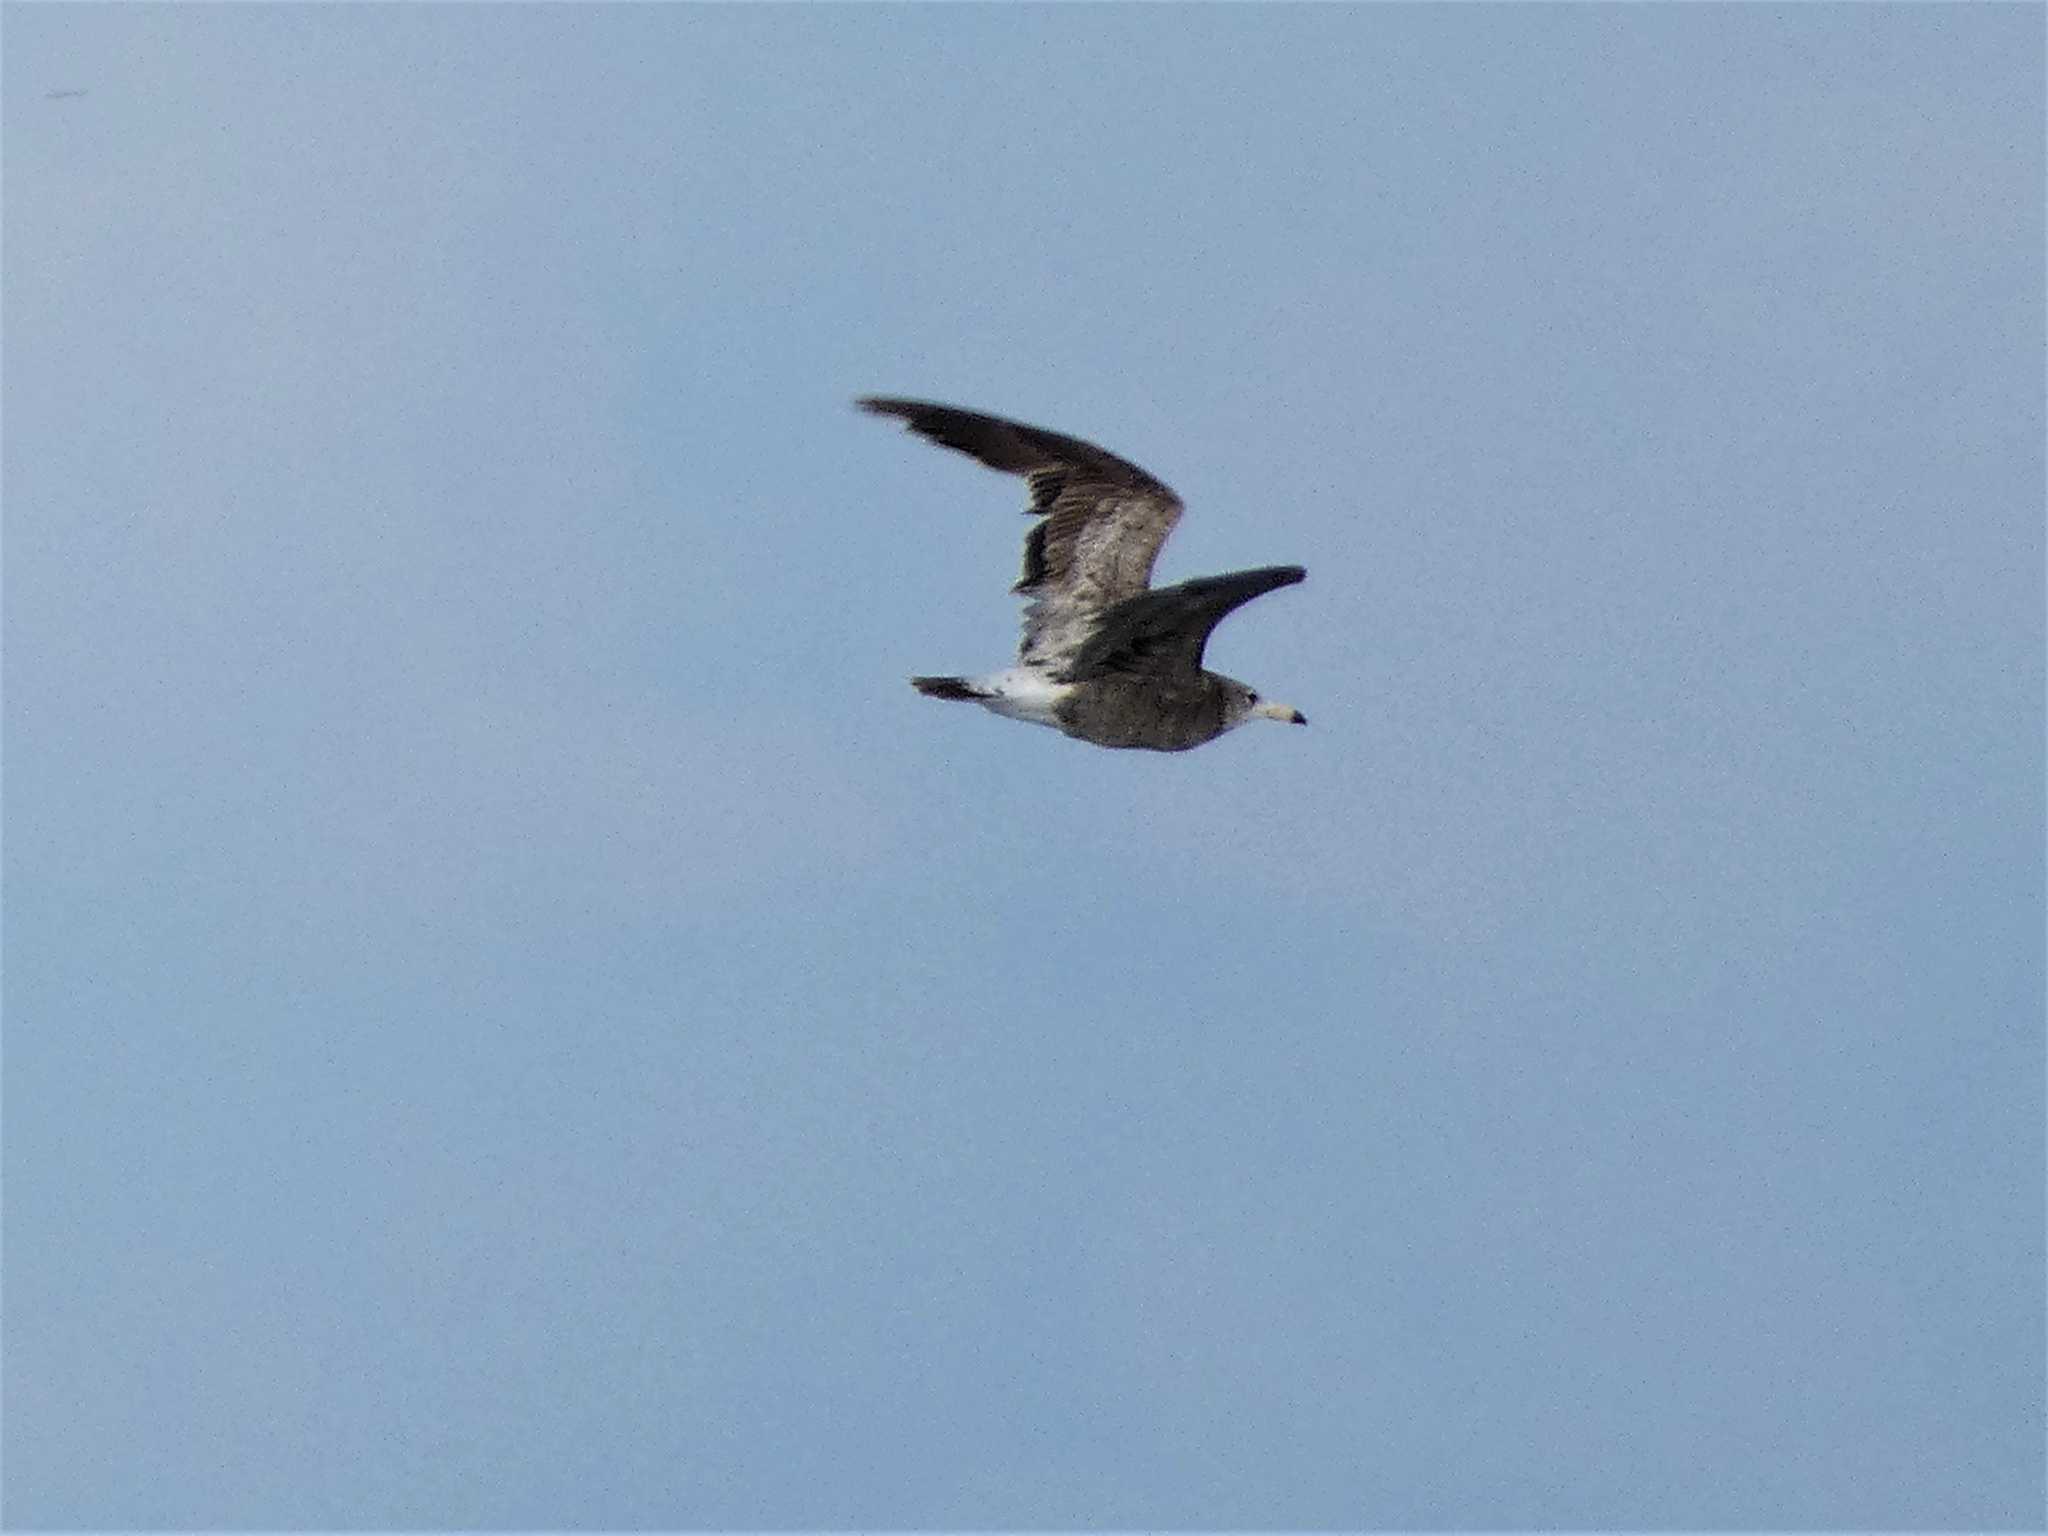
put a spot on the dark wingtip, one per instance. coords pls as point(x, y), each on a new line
point(886, 405)
point(1268, 578)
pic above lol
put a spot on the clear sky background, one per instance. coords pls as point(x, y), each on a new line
point(516, 1016)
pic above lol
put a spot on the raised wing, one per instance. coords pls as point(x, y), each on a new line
point(1104, 518)
point(1162, 633)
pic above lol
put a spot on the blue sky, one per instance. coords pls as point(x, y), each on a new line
point(517, 1017)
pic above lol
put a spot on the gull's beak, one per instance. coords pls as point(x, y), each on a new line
point(1283, 712)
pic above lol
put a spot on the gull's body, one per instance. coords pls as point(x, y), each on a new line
point(1106, 657)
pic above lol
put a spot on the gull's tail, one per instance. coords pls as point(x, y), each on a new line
point(946, 688)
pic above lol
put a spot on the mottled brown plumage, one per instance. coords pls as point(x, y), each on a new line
point(1105, 657)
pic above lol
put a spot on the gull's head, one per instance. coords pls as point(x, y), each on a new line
point(1245, 704)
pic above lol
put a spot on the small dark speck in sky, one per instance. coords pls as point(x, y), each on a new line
point(64, 95)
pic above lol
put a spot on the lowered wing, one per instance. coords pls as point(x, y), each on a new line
point(1162, 633)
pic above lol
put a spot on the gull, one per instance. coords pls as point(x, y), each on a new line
point(1106, 657)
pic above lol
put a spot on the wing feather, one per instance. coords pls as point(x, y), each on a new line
point(1162, 633)
point(1104, 519)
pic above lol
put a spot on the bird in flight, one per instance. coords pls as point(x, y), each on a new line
point(1106, 657)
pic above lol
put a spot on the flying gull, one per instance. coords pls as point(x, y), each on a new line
point(1105, 657)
